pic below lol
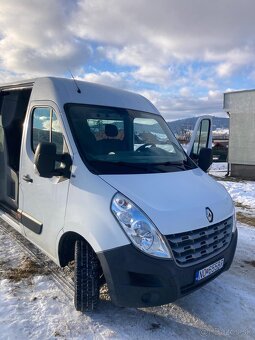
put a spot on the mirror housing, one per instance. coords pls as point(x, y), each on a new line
point(45, 158)
point(45, 161)
point(205, 159)
point(66, 159)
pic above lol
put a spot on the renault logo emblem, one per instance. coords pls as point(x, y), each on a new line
point(209, 214)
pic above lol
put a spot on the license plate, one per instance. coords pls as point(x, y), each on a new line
point(207, 271)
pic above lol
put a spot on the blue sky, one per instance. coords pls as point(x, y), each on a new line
point(180, 54)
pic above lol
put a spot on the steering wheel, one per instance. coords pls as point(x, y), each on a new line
point(145, 146)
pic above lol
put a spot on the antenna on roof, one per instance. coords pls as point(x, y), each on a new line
point(78, 89)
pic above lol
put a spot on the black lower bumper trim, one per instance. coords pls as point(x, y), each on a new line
point(137, 280)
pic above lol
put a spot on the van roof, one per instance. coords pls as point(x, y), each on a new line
point(63, 90)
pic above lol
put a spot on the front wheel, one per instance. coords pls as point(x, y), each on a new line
point(86, 277)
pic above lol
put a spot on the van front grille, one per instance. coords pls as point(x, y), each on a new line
point(198, 245)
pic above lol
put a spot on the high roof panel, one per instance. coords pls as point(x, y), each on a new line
point(62, 90)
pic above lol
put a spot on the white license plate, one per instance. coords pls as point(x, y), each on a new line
point(207, 271)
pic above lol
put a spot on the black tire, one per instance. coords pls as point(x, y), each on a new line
point(86, 277)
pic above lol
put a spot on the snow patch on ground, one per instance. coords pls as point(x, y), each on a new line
point(241, 192)
point(36, 308)
point(220, 166)
point(219, 169)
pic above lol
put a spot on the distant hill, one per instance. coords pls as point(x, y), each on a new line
point(177, 126)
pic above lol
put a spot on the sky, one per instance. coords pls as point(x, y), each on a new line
point(180, 54)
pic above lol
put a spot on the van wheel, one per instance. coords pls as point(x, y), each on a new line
point(86, 277)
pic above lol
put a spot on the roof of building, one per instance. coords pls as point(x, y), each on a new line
point(239, 101)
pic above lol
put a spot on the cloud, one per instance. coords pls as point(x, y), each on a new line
point(152, 74)
point(36, 39)
point(43, 118)
point(168, 29)
point(50, 36)
point(214, 95)
point(185, 92)
point(234, 60)
point(179, 106)
point(108, 78)
point(175, 25)
point(182, 53)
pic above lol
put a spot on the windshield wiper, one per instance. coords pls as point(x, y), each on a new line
point(130, 165)
point(181, 165)
point(133, 165)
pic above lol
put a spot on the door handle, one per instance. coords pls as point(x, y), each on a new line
point(27, 178)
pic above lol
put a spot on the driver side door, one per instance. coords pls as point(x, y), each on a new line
point(42, 200)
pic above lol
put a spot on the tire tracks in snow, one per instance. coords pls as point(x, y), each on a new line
point(58, 275)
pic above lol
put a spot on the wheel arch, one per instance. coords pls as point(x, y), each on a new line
point(66, 246)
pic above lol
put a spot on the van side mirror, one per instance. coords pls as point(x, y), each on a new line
point(66, 159)
point(205, 159)
point(45, 160)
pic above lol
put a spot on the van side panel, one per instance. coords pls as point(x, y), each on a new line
point(88, 210)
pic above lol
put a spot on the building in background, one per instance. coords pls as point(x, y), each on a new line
point(240, 106)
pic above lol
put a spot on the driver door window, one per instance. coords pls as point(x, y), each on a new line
point(46, 128)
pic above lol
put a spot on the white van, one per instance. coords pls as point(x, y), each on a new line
point(94, 175)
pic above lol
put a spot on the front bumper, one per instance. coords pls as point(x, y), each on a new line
point(137, 280)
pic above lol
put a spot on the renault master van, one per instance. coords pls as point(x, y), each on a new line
point(93, 175)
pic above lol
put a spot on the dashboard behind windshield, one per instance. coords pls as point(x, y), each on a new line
point(121, 141)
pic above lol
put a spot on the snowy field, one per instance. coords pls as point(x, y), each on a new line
point(33, 306)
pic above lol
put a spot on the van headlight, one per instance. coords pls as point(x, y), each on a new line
point(140, 230)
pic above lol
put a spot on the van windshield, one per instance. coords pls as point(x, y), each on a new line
point(120, 141)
